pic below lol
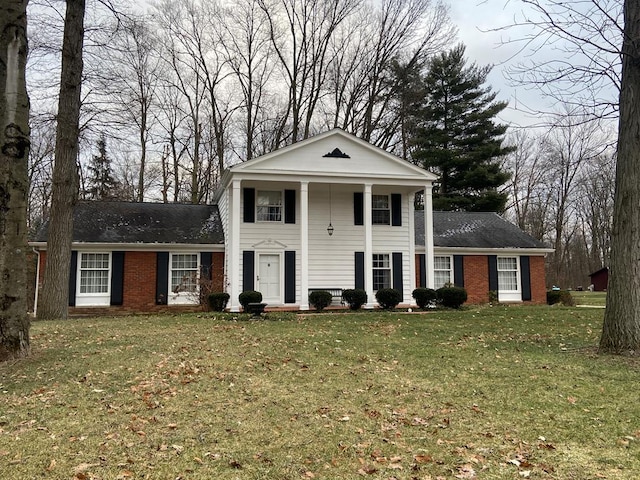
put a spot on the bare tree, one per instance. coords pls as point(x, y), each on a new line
point(570, 145)
point(584, 71)
point(55, 288)
point(621, 328)
point(133, 84)
point(244, 38)
point(14, 154)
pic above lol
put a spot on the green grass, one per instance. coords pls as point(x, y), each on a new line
point(590, 298)
point(490, 393)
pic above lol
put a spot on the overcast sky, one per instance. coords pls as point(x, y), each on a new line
point(475, 19)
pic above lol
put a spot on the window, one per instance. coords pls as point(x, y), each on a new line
point(380, 210)
point(94, 273)
point(184, 272)
point(441, 271)
point(507, 274)
point(381, 271)
point(269, 206)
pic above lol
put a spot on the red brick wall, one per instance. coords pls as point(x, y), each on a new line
point(538, 280)
point(140, 285)
point(476, 278)
point(139, 281)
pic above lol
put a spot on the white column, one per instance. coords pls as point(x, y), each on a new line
point(304, 245)
point(428, 234)
point(368, 247)
point(234, 273)
point(412, 251)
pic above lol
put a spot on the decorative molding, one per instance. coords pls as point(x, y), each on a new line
point(269, 243)
point(336, 153)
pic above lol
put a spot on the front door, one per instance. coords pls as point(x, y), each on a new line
point(269, 278)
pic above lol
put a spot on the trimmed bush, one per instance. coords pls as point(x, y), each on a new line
point(424, 297)
point(249, 296)
point(388, 298)
point(218, 301)
point(320, 299)
point(355, 298)
point(560, 296)
point(451, 297)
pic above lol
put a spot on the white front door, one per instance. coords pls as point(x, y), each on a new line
point(269, 278)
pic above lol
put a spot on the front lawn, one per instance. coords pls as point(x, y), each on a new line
point(489, 393)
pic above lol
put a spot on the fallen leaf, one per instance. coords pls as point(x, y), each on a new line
point(572, 400)
point(52, 465)
point(423, 458)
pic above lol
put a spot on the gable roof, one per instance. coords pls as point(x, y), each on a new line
point(149, 223)
point(334, 153)
point(474, 230)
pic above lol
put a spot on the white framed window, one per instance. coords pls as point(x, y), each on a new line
point(381, 271)
point(269, 206)
point(380, 210)
point(94, 273)
point(183, 272)
point(442, 273)
point(508, 274)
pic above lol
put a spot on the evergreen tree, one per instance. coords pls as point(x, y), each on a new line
point(456, 135)
point(101, 183)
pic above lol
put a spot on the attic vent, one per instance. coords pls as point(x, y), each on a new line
point(336, 153)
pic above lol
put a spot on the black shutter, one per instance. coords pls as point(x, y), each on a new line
point(290, 276)
point(117, 278)
point(289, 206)
point(493, 273)
point(162, 278)
point(397, 272)
point(396, 210)
point(73, 275)
point(358, 208)
point(458, 270)
point(525, 278)
point(422, 259)
point(248, 270)
point(206, 258)
point(359, 270)
point(249, 205)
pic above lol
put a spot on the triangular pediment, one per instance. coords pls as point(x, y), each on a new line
point(334, 153)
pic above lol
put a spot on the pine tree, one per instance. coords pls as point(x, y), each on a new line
point(101, 183)
point(457, 136)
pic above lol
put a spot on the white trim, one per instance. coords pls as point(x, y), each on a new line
point(510, 295)
point(536, 252)
point(304, 246)
point(408, 298)
point(428, 234)
point(183, 298)
point(234, 274)
point(256, 271)
point(92, 299)
point(368, 247)
point(451, 268)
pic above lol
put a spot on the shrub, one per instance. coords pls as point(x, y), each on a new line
point(560, 296)
point(451, 297)
point(388, 298)
point(493, 297)
point(249, 296)
point(320, 299)
point(355, 298)
point(218, 301)
point(424, 297)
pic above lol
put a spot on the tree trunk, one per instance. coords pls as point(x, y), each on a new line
point(621, 329)
point(14, 152)
point(55, 289)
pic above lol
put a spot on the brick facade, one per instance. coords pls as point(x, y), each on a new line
point(476, 278)
point(140, 285)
